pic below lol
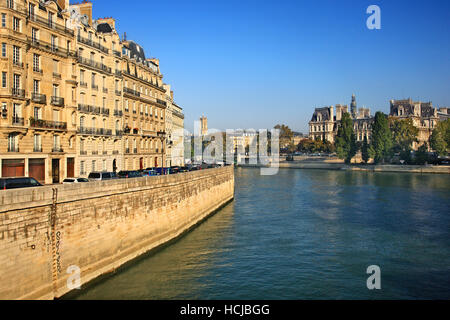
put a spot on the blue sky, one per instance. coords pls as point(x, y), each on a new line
point(253, 64)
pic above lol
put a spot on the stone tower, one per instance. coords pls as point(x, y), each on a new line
point(353, 107)
point(203, 126)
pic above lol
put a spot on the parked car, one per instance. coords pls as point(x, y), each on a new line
point(75, 180)
point(149, 173)
point(184, 169)
point(129, 174)
point(100, 176)
point(18, 182)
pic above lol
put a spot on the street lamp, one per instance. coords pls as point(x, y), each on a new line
point(162, 135)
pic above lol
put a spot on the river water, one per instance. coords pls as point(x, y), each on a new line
point(305, 234)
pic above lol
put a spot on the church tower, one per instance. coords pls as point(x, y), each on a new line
point(353, 107)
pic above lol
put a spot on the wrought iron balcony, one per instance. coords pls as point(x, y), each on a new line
point(118, 113)
point(93, 44)
point(118, 92)
point(18, 93)
point(105, 90)
point(57, 149)
point(44, 124)
point(18, 64)
point(115, 152)
point(57, 75)
point(83, 84)
point(94, 87)
point(94, 64)
point(105, 111)
point(17, 121)
point(164, 103)
point(95, 131)
point(57, 101)
point(131, 91)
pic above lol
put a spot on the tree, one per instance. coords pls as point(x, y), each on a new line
point(421, 156)
point(382, 142)
point(286, 135)
point(346, 140)
point(365, 150)
point(404, 134)
point(440, 138)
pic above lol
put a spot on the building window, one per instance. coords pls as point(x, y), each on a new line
point(82, 168)
point(16, 24)
point(13, 142)
point(56, 143)
point(16, 54)
point(34, 35)
point(55, 90)
point(4, 49)
point(37, 113)
point(94, 165)
point(4, 82)
point(3, 20)
point(36, 86)
point(31, 8)
point(37, 143)
point(50, 20)
point(36, 62)
point(16, 83)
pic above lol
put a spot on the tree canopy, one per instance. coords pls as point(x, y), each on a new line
point(346, 146)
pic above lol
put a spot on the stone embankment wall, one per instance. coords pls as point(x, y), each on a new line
point(47, 233)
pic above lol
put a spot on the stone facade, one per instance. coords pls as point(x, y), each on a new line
point(74, 97)
point(324, 123)
point(97, 228)
point(423, 115)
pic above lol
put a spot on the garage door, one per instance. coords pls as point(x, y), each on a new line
point(36, 169)
point(13, 167)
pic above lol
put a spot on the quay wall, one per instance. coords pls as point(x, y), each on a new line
point(47, 233)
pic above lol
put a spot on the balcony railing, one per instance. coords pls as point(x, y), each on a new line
point(117, 53)
point(135, 150)
point(115, 152)
point(17, 121)
point(92, 44)
point(18, 64)
point(118, 92)
point(57, 149)
point(38, 98)
point(57, 101)
point(89, 109)
point(57, 75)
point(95, 131)
point(119, 133)
point(83, 153)
point(118, 113)
point(127, 150)
point(44, 124)
point(37, 70)
point(94, 87)
point(83, 84)
point(18, 93)
point(105, 90)
point(50, 24)
point(164, 103)
point(51, 48)
point(118, 73)
point(131, 91)
point(94, 153)
point(94, 64)
point(105, 111)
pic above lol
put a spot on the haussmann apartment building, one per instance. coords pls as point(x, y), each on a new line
point(75, 97)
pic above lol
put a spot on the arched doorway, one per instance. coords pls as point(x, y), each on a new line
point(114, 165)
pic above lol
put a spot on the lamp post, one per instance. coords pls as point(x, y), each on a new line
point(162, 136)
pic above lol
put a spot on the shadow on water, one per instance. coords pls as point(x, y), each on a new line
point(305, 234)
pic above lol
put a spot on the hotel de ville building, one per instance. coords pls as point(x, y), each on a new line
point(76, 98)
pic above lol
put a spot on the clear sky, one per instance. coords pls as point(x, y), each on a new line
point(253, 64)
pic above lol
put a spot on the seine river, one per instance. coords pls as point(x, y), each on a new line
point(305, 234)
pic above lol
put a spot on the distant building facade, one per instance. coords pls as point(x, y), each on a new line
point(325, 122)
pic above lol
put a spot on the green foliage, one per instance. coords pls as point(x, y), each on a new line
point(365, 151)
point(382, 142)
point(286, 135)
point(404, 133)
point(346, 146)
point(313, 146)
point(440, 138)
point(421, 156)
